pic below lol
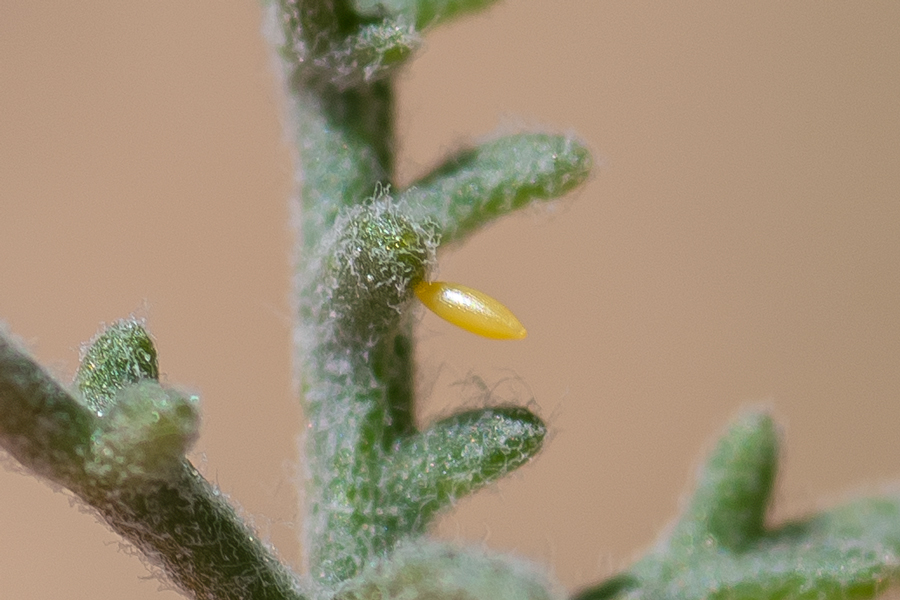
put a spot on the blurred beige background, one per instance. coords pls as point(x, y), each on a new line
point(738, 244)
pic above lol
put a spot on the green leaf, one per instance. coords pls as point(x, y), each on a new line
point(144, 437)
point(848, 552)
point(368, 272)
point(120, 355)
point(369, 54)
point(425, 13)
point(721, 549)
point(427, 570)
point(481, 184)
point(430, 470)
point(729, 505)
point(327, 47)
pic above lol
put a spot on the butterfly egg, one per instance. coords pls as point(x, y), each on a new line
point(470, 309)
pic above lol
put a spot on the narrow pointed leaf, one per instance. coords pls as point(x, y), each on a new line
point(479, 185)
point(721, 549)
point(849, 552)
point(732, 495)
point(456, 456)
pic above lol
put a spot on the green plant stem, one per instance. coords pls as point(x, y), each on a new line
point(345, 144)
point(374, 480)
point(189, 527)
point(350, 435)
point(345, 148)
point(184, 524)
point(41, 425)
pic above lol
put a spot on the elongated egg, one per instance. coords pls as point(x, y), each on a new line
point(470, 309)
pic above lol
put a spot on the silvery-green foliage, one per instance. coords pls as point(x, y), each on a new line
point(118, 439)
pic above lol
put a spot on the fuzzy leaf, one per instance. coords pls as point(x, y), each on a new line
point(430, 470)
point(849, 552)
point(729, 505)
point(330, 49)
point(721, 549)
point(144, 437)
point(426, 570)
point(368, 55)
point(120, 355)
point(489, 181)
point(425, 13)
point(369, 270)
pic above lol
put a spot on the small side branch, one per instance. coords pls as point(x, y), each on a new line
point(170, 512)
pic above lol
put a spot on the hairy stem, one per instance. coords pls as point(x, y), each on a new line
point(181, 521)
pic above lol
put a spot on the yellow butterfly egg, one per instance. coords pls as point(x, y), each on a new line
point(470, 309)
